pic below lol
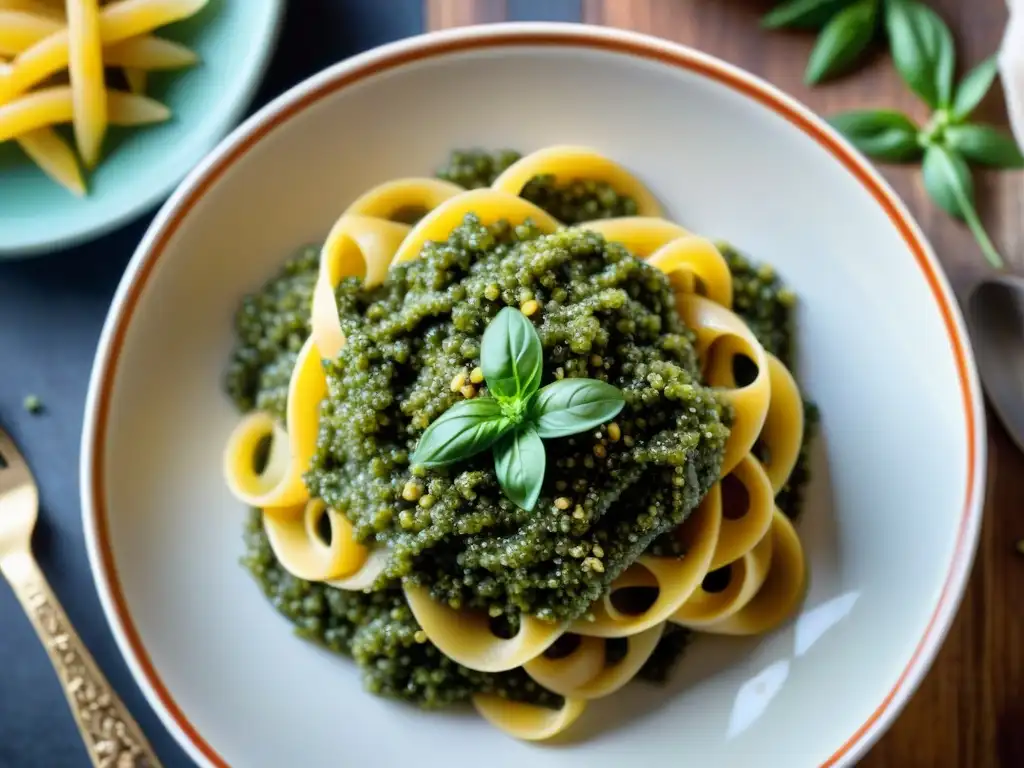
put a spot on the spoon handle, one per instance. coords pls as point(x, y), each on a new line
point(112, 737)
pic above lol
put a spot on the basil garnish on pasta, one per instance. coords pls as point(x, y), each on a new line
point(516, 415)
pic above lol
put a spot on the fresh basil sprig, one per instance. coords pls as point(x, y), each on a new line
point(517, 413)
point(924, 55)
point(847, 29)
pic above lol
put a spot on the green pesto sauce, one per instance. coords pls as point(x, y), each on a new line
point(605, 315)
point(465, 543)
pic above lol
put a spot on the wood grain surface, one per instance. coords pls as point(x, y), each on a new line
point(969, 711)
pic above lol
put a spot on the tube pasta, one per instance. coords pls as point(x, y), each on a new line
point(783, 430)
point(298, 546)
point(693, 262)
point(721, 336)
point(565, 676)
point(280, 483)
point(675, 578)
point(568, 163)
point(357, 246)
point(466, 636)
point(526, 721)
point(54, 105)
point(149, 53)
point(490, 205)
point(117, 22)
point(743, 571)
point(781, 592)
point(388, 200)
point(85, 65)
point(640, 235)
point(54, 157)
point(21, 29)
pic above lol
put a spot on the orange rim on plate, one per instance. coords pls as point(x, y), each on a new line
point(493, 36)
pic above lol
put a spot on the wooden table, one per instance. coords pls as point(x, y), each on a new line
point(970, 709)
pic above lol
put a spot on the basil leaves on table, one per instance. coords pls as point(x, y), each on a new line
point(925, 57)
point(516, 414)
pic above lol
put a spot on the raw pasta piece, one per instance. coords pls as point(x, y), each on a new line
point(88, 90)
point(21, 29)
point(149, 53)
point(52, 106)
point(117, 21)
point(568, 163)
point(54, 157)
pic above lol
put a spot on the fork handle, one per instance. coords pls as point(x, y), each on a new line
point(112, 737)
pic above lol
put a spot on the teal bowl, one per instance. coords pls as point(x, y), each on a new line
point(140, 166)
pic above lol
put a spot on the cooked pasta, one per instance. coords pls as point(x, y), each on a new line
point(661, 521)
point(77, 43)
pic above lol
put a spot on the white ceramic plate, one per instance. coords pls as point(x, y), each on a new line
point(893, 513)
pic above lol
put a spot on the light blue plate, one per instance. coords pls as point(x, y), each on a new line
point(140, 167)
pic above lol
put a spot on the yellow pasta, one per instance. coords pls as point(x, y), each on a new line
point(54, 157)
point(641, 235)
point(566, 164)
point(526, 721)
point(722, 336)
point(299, 546)
point(357, 246)
point(743, 569)
point(136, 78)
point(149, 53)
point(490, 205)
point(566, 676)
point(675, 579)
point(85, 65)
point(53, 106)
point(117, 22)
point(279, 483)
point(20, 30)
point(466, 636)
point(695, 265)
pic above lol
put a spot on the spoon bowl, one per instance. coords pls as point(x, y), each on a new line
point(995, 316)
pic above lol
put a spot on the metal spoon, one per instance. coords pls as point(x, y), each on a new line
point(994, 311)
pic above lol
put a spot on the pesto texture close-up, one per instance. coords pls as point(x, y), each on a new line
point(413, 351)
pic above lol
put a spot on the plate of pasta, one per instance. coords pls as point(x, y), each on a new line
point(105, 108)
point(557, 434)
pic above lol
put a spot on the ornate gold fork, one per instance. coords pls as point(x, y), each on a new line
point(112, 737)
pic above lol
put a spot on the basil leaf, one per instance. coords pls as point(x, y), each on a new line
point(973, 87)
point(880, 133)
point(510, 355)
point(985, 144)
point(801, 14)
point(519, 463)
point(948, 180)
point(842, 41)
point(922, 50)
point(464, 430)
point(570, 406)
